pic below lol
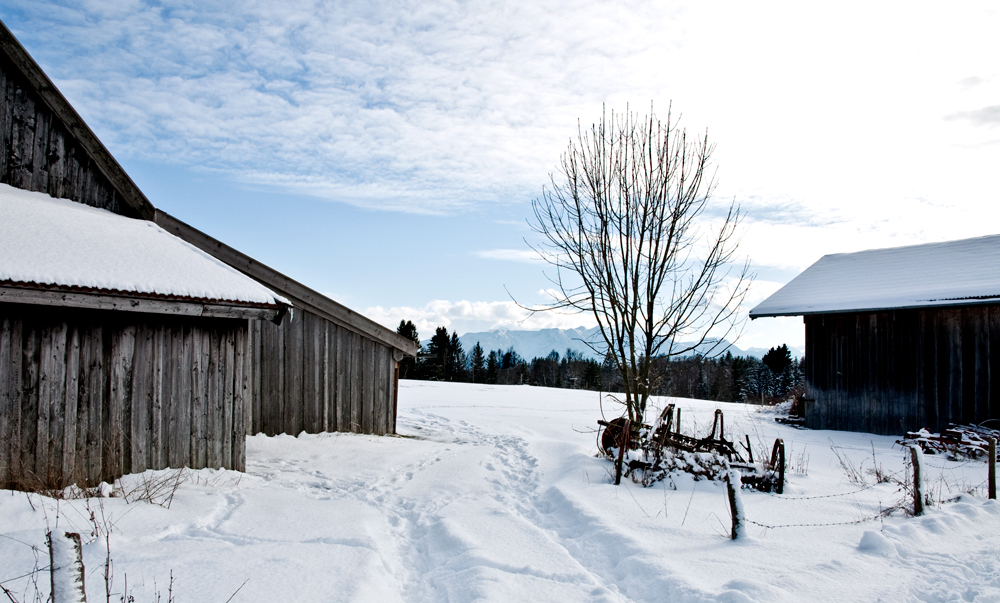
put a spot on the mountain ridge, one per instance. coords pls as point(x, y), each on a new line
point(540, 343)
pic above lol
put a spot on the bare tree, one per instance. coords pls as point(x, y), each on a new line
point(624, 225)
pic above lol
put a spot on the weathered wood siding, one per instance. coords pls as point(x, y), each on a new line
point(890, 372)
point(312, 375)
point(41, 155)
point(87, 396)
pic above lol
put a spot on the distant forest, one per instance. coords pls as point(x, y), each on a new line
point(724, 378)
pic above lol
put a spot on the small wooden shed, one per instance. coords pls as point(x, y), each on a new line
point(122, 348)
point(324, 368)
point(899, 339)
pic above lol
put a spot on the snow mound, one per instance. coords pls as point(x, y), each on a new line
point(874, 543)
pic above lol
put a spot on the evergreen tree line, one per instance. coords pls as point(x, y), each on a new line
point(729, 378)
point(725, 378)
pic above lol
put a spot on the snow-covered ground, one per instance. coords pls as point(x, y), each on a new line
point(495, 494)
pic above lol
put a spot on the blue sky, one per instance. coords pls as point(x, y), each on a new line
point(386, 153)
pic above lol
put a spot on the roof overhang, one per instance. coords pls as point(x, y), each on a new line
point(958, 273)
point(24, 293)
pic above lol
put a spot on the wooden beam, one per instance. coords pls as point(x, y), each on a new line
point(93, 301)
point(74, 124)
point(299, 294)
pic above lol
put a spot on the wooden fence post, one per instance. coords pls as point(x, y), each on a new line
point(778, 464)
point(623, 444)
point(916, 458)
point(733, 484)
point(993, 469)
point(66, 567)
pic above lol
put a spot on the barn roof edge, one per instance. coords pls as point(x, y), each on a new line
point(61, 107)
point(298, 293)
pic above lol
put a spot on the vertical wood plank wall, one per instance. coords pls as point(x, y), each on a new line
point(40, 154)
point(892, 372)
point(88, 396)
point(314, 376)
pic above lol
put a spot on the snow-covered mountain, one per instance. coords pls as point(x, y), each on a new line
point(535, 344)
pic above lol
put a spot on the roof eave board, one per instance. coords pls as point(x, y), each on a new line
point(114, 301)
point(874, 309)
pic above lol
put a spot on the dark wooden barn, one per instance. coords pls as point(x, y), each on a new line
point(323, 368)
point(899, 339)
point(122, 348)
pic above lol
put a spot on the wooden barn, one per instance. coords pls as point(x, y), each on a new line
point(899, 339)
point(323, 368)
point(122, 348)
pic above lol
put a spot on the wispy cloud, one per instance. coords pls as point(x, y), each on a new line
point(436, 107)
point(402, 105)
point(972, 81)
point(510, 255)
point(987, 116)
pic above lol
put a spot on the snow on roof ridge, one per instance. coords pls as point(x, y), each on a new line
point(60, 242)
point(944, 273)
point(913, 246)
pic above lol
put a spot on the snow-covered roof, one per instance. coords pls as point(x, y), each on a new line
point(935, 274)
point(56, 242)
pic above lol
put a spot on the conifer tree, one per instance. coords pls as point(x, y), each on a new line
point(510, 358)
point(438, 349)
point(779, 361)
point(407, 365)
point(492, 368)
point(456, 359)
point(592, 375)
point(477, 364)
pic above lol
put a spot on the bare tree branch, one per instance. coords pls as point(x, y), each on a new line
point(624, 216)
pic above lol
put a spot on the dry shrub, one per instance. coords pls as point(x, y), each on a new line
point(153, 487)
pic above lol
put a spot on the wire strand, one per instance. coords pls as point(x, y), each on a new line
point(815, 525)
point(20, 541)
point(34, 571)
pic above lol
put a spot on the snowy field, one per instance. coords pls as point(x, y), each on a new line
point(495, 494)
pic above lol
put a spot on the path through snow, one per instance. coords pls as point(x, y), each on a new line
point(494, 493)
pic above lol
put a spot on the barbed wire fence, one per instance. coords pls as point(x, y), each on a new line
point(909, 482)
point(31, 586)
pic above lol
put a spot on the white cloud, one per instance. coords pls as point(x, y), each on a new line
point(410, 106)
point(435, 106)
point(512, 255)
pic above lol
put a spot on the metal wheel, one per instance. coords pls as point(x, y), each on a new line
point(612, 435)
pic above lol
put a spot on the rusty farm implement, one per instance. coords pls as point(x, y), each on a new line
point(652, 451)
